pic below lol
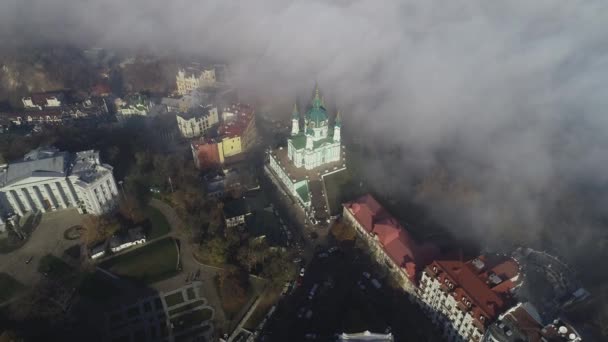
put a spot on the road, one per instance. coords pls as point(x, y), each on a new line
point(47, 238)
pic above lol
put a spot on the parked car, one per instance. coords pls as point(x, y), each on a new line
point(361, 285)
point(302, 272)
point(29, 260)
point(367, 275)
point(308, 314)
point(376, 283)
point(297, 260)
point(301, 312)
point(333, 250)
point(311, 336)
point(323, 255)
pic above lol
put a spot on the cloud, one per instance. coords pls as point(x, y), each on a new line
point(514, 92)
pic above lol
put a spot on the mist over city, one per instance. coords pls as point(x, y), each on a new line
point(477, 126)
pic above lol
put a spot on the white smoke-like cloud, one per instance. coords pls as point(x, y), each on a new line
point(515, 91)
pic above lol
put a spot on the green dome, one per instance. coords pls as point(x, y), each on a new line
point(317, 112)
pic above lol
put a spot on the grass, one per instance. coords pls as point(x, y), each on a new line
point(191, 319)
point(186, 307)
point(159, 225)
point(9, 287)
point(148, 264)
point(174, 299)
point(341, 187)
point(191, 294)
point(53, 267)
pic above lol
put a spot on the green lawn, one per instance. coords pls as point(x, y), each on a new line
point(9, 287)
point(341, 187)
point(159, 225)
point(186, 307)
point(174, 299)
point(191, 319)
point(150, 263)
point(53, 267)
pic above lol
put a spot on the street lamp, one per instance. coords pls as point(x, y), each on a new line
point(123, 190)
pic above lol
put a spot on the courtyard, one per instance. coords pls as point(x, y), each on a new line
point(46, 239)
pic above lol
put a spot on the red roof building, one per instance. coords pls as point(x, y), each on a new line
point(206, 155)
point(374, 223)
point(470, 295)
point(101, 90)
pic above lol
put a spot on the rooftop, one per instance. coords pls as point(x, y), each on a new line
point(235, 208)
point(196, 112)
point(366, 336)
point(39, 162)
point(484, 283)
point(395, 239)
point(236, 120)
point(300, 173)
point(50, 162)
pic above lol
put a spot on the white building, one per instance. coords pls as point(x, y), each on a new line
point(366, 336)
point(132, 237)
point(194, 77)
point(464, 298)
point(312, 153)
point(196, 122)
point(98, 251)
point(40, 101)
point(235, 212)
point(47, 180)
point(135, 105)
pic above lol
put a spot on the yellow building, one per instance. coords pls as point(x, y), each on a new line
point(231, 146)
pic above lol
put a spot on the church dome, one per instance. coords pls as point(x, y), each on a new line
point(317, 113)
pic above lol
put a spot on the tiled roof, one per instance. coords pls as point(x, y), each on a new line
point(395, 239)
point(298, 141)
point(487, 286)
point(234, 127)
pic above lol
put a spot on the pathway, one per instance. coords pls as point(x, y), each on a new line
point(189, 265)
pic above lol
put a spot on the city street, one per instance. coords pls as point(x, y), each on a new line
point(345, 299)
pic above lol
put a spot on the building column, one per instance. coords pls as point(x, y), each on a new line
point(49, 196)
point(29, 203)
point(14, 202)
point(72, 195)
point(112, 183)
point(37, 197)
point(58, 194)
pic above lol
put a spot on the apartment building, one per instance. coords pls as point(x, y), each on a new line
point(195, 122)
point(464, 298)
point(389, 242)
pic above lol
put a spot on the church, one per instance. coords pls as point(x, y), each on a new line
point(313, 152)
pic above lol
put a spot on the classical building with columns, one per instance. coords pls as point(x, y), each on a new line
point(47, 179)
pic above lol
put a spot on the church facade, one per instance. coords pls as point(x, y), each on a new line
point(313, 151)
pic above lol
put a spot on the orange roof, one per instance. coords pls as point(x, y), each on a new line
point(476, 284)
point(396, 240)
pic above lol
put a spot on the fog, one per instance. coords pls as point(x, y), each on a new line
point(512, 96)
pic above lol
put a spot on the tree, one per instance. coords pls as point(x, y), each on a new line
point(252, 254)
point(98, 228)
point(279, 269)
point(214, 251)
point(130, 208)
point(233, 285)
point(343, 232)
